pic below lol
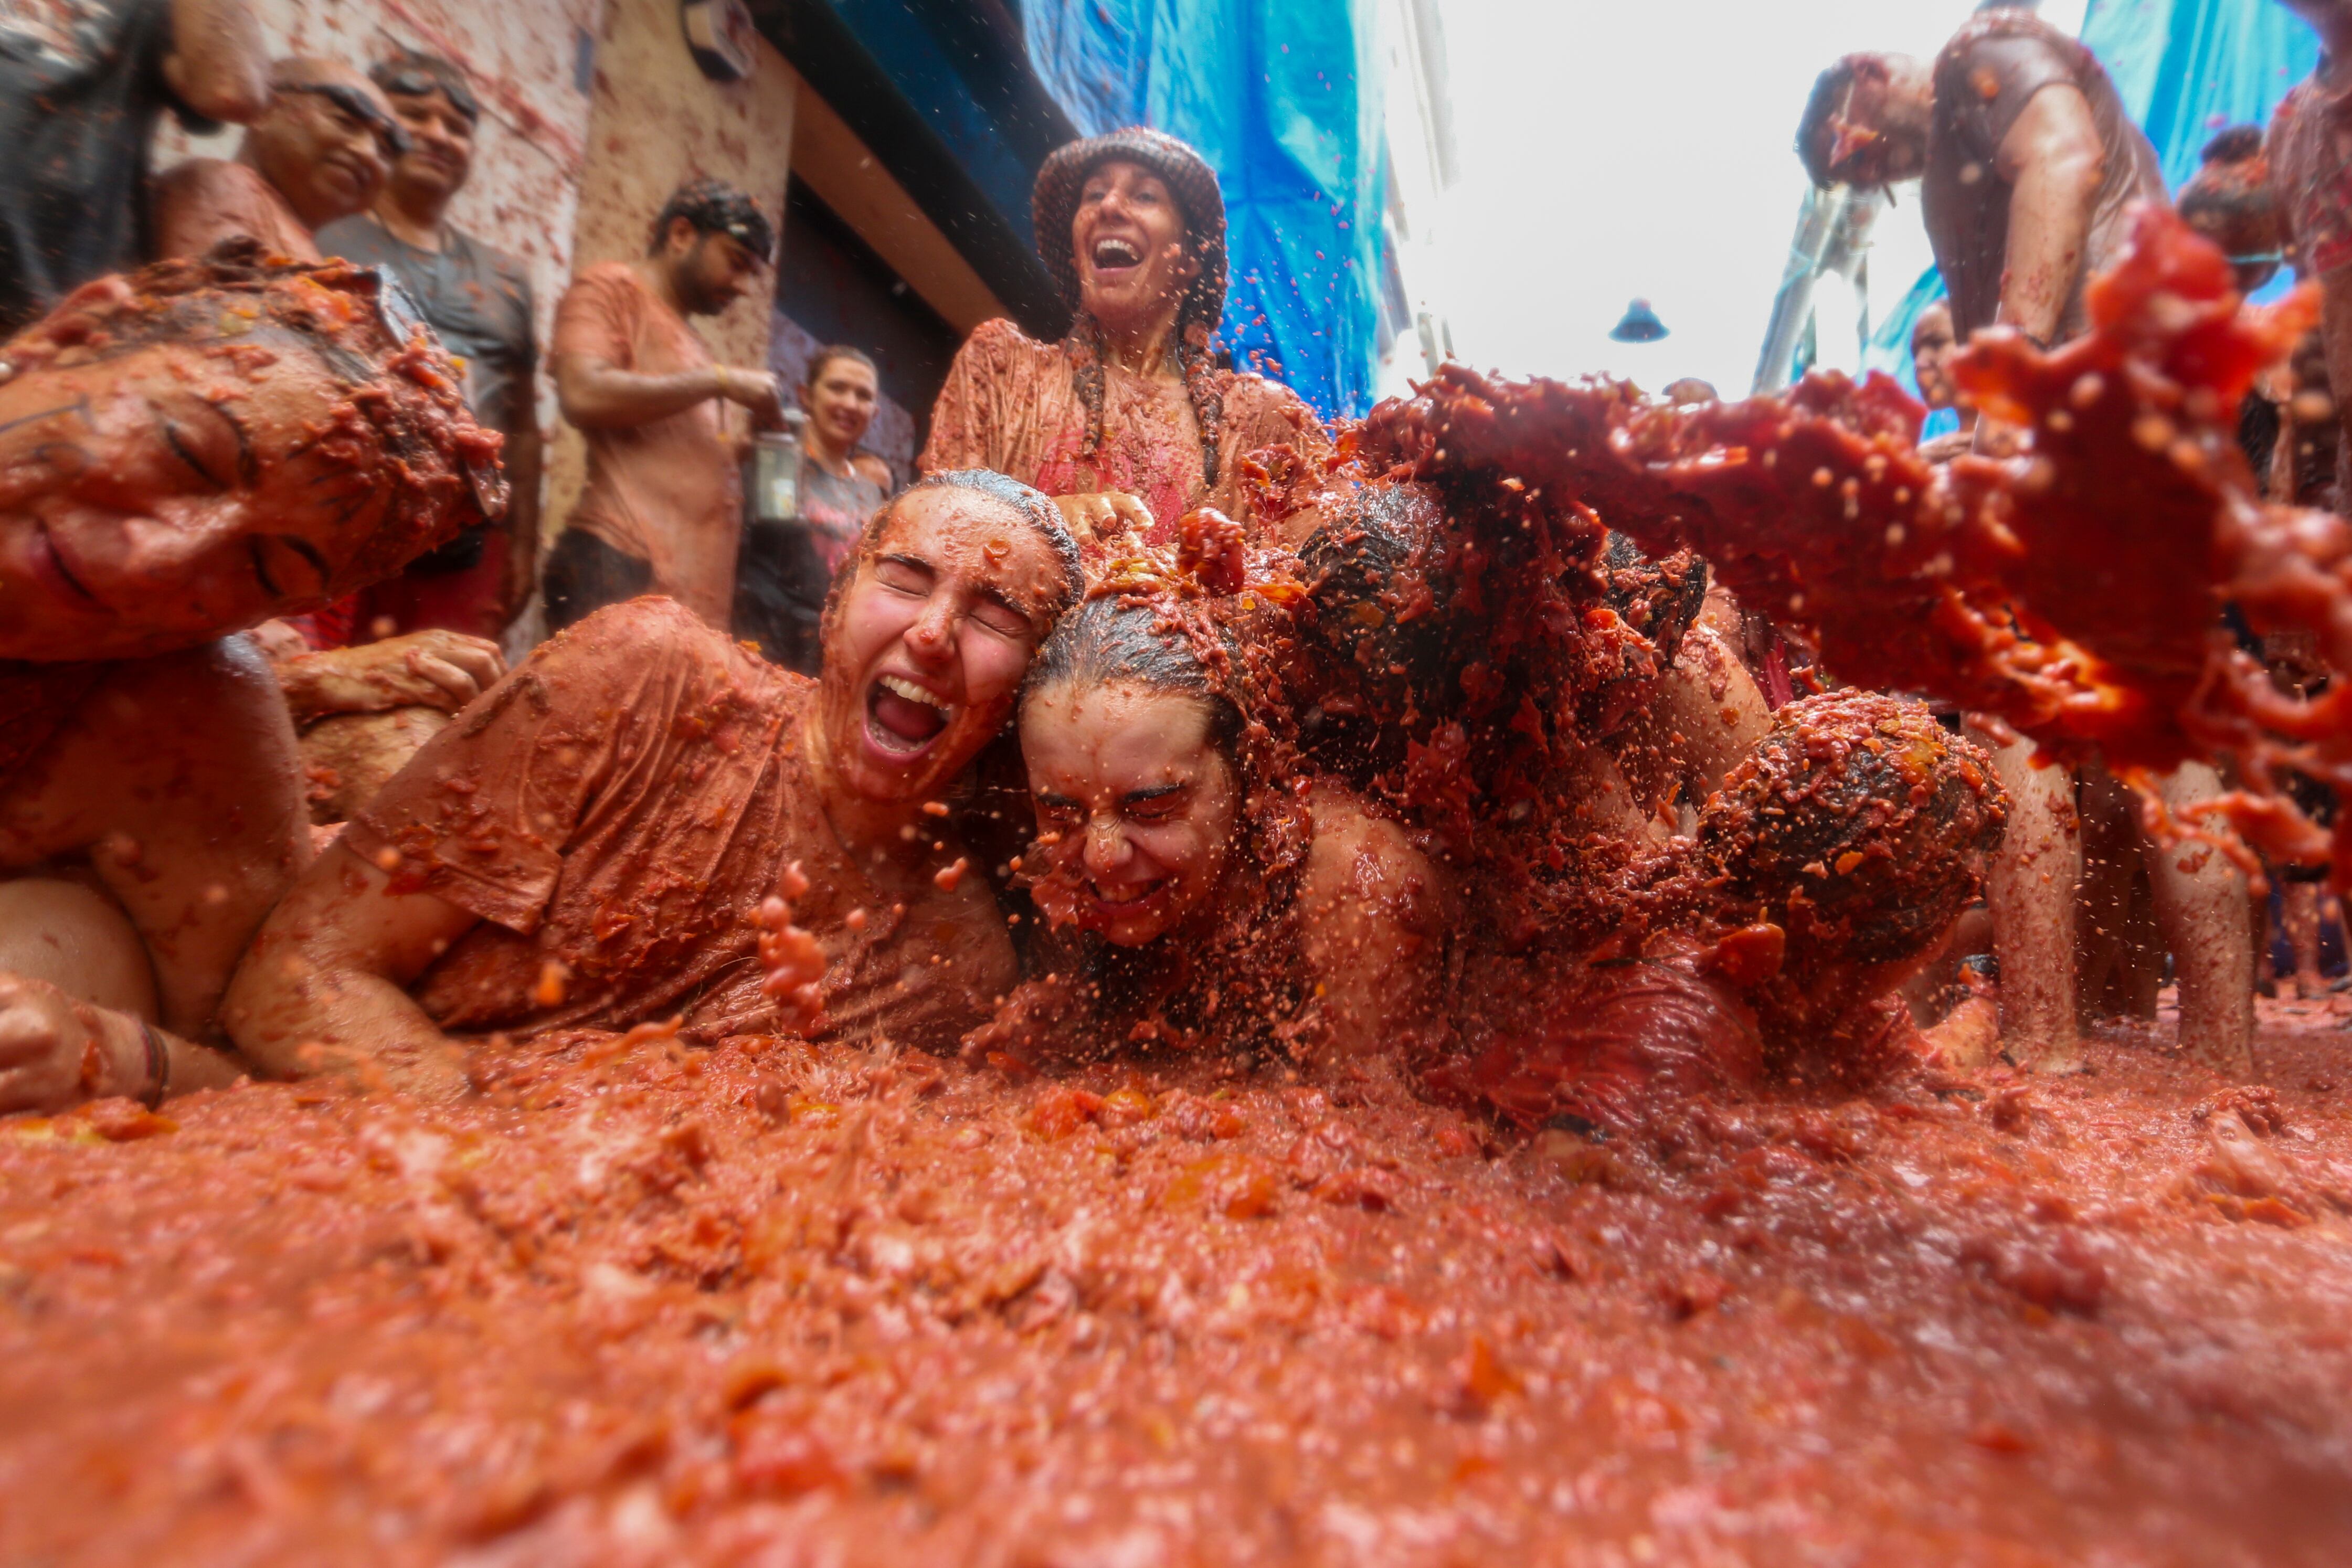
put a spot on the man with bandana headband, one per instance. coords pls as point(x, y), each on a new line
point(662, 510)
point(2026, 161)
point(2029, 170)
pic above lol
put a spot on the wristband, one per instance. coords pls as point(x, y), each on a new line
point(725, 391)
point(159, 1066)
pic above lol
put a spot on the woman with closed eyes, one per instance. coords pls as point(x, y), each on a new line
point(1200, 885)
point(185, 452)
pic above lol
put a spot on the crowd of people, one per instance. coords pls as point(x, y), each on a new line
point(1148, 717)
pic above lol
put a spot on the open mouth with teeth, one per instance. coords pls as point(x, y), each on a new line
point(902, 718)
point(1120, 902)
point(1116, 255)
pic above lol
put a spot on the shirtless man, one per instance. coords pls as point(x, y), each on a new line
point(591, 845)
point(2030, 167)
point(318, 153)
point(187, 451)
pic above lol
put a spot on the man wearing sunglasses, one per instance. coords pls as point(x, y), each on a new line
point(478, 300)
point(319, 153)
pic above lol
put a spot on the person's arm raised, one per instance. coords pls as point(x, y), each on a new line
point(324, 988)
point(597, 394)
point(219, 63)
point(2052, 160)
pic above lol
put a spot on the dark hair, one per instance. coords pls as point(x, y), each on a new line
point(1029, 504)
point(2236, 145)
point(410, 434)
point(830, 353)
point(1084, 346)
point(2230, 200)
point(1830, 89)
point(714, 206)
point(1112, 639)
point(412, 73)
point(1858, 825)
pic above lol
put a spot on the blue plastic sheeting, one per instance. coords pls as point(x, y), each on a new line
point(1282, 99)
point(1889, 347)
point(2185, 70)
point(932, 80)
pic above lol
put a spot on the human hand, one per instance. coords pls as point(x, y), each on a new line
point(440, 669)
point(55, 1051)
point(1209, 544)
point(1104, 514)
point(757, 391)
point(1944, 448)
point(794, 961)
point(1993, 438)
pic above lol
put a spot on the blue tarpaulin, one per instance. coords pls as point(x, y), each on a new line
point(1282, 99)
point(2185, 70)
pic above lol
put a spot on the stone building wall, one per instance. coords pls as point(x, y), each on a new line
point(593, 112)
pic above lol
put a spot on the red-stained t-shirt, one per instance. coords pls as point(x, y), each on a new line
point(620, 804)
point(667, 491)
point(1985, 77)
point(1012, 404)
point(2311, 169)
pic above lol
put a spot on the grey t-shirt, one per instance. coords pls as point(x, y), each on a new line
point(477, 299)
point(1984, 78)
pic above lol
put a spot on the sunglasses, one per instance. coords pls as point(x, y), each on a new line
point(418, 83)
point(390, 138)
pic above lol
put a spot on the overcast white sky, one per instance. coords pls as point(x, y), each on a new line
point(1616, 148)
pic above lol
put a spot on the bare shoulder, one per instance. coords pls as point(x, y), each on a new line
point(195, 174)
point(1359, 855)
point(1247, 390)
point(1268, 411)
point(869, 467)
point(201, 686)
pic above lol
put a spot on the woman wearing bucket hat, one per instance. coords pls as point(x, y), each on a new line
point(1126, 422)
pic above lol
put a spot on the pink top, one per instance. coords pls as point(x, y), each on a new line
point(1012, 404)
